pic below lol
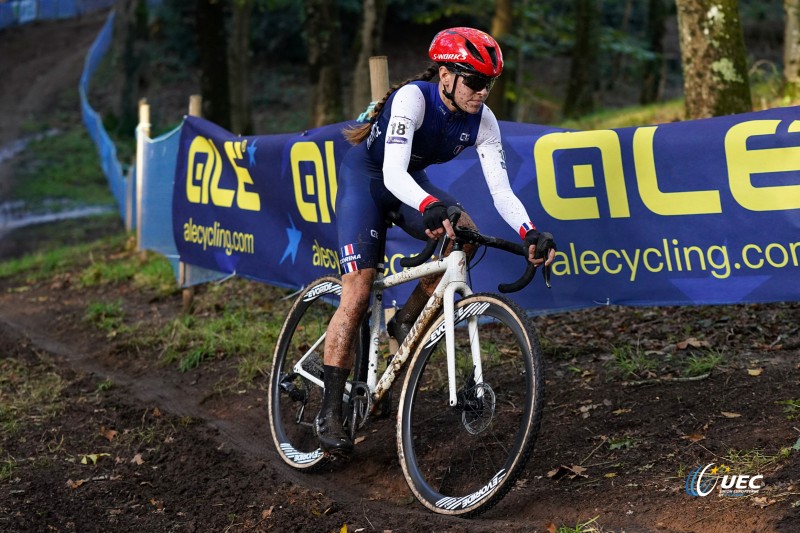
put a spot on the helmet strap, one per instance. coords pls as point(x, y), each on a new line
point(452, 94)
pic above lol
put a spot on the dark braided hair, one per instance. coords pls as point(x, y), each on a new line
point(358, 134)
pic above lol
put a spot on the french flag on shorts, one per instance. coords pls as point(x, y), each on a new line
point(348, 259)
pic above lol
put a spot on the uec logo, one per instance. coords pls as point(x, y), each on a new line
point(702, 481)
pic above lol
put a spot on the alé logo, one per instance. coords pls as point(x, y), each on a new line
point(702, 481)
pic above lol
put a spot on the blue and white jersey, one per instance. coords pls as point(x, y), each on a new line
point(437, 138)
point(416, 129)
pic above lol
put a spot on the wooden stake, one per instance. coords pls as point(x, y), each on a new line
point(195, 110)
point(141, 138)
point(378, 77)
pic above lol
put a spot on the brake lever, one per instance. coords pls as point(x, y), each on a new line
point(546, 269)
point(546, 275)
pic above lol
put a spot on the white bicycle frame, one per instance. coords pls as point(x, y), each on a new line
point(454, 280)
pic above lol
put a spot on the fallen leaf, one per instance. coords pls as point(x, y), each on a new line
point(620, 411)
point(74, 484)
point(359, 440)
point(551, 527)
point(109, 434)
point(138, 459)
point(692, 342)
point(727, 414)
point(694, 437)
point(158, 504)
point(762, 501)
point(570, 472)
point(755, 371)
point(611, 474)
point(93, 457)
point(156, 412)
point(266, 513)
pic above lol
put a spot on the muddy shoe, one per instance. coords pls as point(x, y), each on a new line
point(332, 437)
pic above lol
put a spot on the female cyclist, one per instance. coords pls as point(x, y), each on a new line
point(418, 123)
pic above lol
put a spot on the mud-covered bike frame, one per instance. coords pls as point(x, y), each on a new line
point(473, 402)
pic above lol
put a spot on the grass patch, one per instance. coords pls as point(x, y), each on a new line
point(108, 316)
point(236, 331)
point(631, 361)
point(43, 265)
point(154, 272)
point(62, 166)
point(7, 467)
point(661, 113)
point(791, 408)
point(590, 526)
point(750, 461)
point(28, 395)
point(703, 363)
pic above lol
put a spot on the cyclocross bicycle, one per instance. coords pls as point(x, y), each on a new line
point(470, 405)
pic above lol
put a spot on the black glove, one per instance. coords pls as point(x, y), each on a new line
point(543, 242)
point(433, 215)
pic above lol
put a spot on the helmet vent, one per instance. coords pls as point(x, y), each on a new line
point(493, 55)
point(473, 50)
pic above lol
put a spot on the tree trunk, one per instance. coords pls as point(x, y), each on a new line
point(715, 78)
point(212, 45)
point(583, 70)
point(130, 36)
point(791, 49)
point(373, 15)
point(501, 27)
point(239, 60)
point(618, 59)
point(324, 61)
point(653, 68)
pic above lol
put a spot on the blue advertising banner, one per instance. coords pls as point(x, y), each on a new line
point(688, 213)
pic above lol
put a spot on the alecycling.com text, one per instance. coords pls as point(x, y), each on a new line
point(672, 256)
point(218, 237)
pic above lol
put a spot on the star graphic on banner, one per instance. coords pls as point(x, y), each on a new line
point(251, 151)
point(294, 236)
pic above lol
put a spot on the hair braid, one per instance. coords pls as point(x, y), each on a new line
point(358, 134)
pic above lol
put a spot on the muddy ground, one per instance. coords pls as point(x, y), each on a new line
point(116, 441)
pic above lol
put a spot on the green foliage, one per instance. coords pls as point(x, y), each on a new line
point(154, 272)
point(108, 316)
point(7, 467)
point(61, 166)
point(105, 385)
point(699, 364)
point(235, 323)
point(28, 395)
point(791, 408)
point(749, 461)
point(631, 116)
point(50, 263)
point(632, 361)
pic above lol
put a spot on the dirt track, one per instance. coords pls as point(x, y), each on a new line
point(206, 459)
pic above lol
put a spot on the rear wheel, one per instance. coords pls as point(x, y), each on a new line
point(461, 460)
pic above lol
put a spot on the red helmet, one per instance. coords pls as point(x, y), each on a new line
point(469, 50)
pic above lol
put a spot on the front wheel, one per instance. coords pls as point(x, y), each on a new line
point(461, 460)
point(295, 385)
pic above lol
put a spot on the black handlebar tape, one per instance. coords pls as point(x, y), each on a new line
point(521, 283)
point(423, 256)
